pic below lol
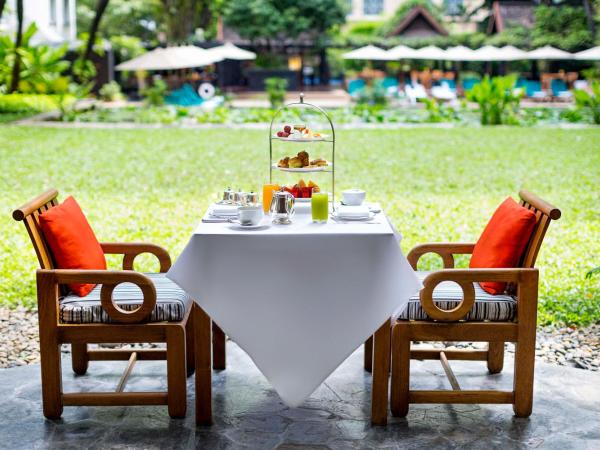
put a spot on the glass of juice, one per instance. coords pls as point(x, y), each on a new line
point(320, 206)
point(268, 196)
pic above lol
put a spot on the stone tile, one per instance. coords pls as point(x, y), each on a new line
point(249, 414)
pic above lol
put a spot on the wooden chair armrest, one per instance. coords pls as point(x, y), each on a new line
point(48, 281)
point(130, 250)
point(525, 279)
point(446, 250)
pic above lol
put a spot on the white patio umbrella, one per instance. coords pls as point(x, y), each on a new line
point(591, 54)
point(171, 58)
point(512, 53)
point(369, 53)
point(488, 53)
point(401, 52)
point(431, 52)
point(231, 51)
point(549, 52)
point(459, 53)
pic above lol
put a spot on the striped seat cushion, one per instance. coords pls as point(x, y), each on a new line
point(171, 302)
point(447, 295)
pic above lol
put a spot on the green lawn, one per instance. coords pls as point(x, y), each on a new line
point(436, 184)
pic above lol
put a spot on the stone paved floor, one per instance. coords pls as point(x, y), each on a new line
point(249, 414)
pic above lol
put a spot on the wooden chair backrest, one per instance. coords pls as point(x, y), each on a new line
point(29, 213)
point(544, 212)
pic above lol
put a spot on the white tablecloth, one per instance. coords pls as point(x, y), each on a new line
point(300, 298)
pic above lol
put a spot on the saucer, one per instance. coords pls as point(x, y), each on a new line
point(239, 226)
point(371, 216)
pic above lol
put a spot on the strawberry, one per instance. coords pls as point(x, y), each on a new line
point(287, 129)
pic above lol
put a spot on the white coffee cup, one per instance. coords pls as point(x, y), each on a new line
point(250, 215)
point(353, 197)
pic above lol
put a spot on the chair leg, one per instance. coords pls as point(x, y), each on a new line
point(369, 354)
point(49, 347)
point(51, 379)
point(176, 371)
point(218, 342)
point(400, 372)
point(523, 378)
point(79, 357)
point(189, 346)
point(495, 357)
point(525, 347)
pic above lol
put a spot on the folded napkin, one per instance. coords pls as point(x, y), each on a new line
point(353, 212)
point(223, 210)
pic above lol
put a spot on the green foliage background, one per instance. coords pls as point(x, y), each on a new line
point(436, 185)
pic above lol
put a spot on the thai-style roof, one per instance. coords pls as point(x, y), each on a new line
point(419, 23)
point(510, 13)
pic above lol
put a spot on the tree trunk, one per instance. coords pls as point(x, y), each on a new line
point(16, 70)
point(324, 71)
point(589, 15)
point(89, 48)
point(2, 3)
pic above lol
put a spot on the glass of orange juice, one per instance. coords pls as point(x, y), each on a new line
point(268, 196)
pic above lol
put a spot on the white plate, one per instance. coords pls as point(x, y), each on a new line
point(354, 219)
point(303, 169)
point(301, 139)
point(239, 226)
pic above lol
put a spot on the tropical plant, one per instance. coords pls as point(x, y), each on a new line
point(275, 88)
point(155, 94)
point(497, 99)
point(111, 92)
point(40, 67)
point(589, 101)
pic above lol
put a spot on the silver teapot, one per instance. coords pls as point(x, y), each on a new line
point(282, 207)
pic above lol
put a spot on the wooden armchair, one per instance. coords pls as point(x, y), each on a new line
point(470, 319)
point(101, 317)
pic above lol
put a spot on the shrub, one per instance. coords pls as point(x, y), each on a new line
point(439, 112)
point(275, 88)
point(155, 94)
point(497, 99)
point(589, 102)
point(28, 103)
point(372, 95)
point(111, 92)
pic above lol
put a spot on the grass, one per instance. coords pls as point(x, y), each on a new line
point(436, 185)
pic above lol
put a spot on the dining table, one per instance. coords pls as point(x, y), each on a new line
point(297, 298)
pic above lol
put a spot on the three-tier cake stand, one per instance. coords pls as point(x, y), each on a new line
point(330, 139)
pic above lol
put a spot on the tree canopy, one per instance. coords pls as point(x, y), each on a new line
point(277, 19)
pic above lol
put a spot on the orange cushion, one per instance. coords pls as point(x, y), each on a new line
point(72, 241)
point(503, 241)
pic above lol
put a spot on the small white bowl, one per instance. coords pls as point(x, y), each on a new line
point(353, 197)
